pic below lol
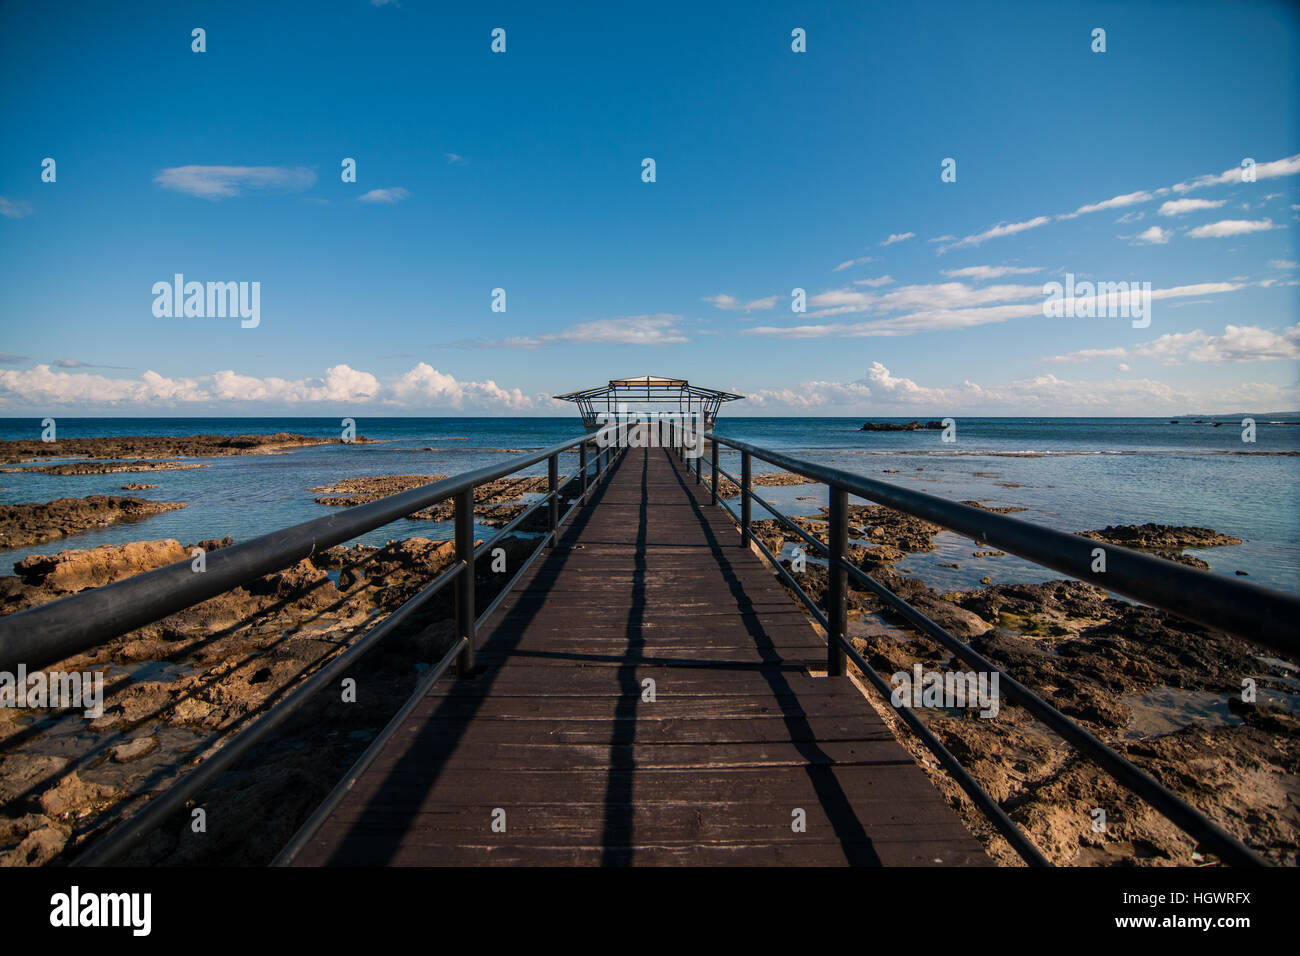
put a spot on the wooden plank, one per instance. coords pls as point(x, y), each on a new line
point(648, 581)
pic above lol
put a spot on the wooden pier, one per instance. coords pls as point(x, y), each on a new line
point(644, 696)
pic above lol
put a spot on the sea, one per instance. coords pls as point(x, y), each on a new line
point(1073, 474)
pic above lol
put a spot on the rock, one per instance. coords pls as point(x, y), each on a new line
point(75, 570)
point(134, 749)
point(73, 795)
point(161, 446)
point(27, 524)
point(893, 427)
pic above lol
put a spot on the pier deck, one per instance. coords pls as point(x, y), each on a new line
point(557, 741)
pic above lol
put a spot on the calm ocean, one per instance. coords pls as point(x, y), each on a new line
point(1074, 474)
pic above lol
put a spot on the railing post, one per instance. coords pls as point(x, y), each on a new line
point(837, 609)
point(464, 524)
point(582, 466)
point(713, 478)
point(699, 462)
point(745, 504)
point(552, 488)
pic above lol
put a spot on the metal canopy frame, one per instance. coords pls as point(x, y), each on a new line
point(649, 390)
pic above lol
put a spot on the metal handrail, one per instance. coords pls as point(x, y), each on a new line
point(52, 631)
point(1029, 541)
point(1257, 614)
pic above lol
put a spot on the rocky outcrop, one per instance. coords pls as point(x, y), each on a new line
point(160, 446)
point(1167, 541)
point(28, 524)
point(894, 427)
point(103, 468)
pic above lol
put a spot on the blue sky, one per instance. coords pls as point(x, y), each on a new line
point(522, 170)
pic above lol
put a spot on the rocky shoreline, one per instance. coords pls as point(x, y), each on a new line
point(159, 446)
point(1098, 660)
point(178, 688)
point(36, 523)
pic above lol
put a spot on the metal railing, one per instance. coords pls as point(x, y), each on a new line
point(1260, 615)
point(51, 632)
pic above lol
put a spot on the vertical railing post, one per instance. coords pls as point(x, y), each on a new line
point(464, 526)
point(745, 504)
point(582, 466)
point(699, 459)
point(837, 610)
point(713, 479)
point(552, 488)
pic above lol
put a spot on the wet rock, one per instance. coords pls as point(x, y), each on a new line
point(160, 446)
point(893, 427)
point(27, 524)
point(134, 749)
point(73, 795)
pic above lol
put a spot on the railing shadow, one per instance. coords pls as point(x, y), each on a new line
point(856, 844)
point(426, 757)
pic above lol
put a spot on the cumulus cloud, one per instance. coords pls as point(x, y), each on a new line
point(883, 392)
point(395, 194)
point(1238, 343)
point(223, 182)
point(1155, 236)
point(1231, 227)
point(420, 387)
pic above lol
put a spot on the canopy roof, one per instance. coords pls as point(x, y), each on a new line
point(648, 390)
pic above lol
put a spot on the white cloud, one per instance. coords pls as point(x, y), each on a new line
point(1231, 227)
point(850, 263)
point(14, 208)
point(395, 194)
point(1283, 264)
point(455, 159)
point(422, 386)
point(1179, 207)
point(659, 329)
point(1279, 167)
point(1118, 202)
point(874, 283)
point(1155, 236)
point(1001, 229)
point(1087, 355)
point(951, 305)
point(223, 182)
point(898, 237)
point(883, 392)
point(990, 272)
point(732, 304)
point(1238, 343)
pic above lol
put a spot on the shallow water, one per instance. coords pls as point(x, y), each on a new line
point(1072, 474)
